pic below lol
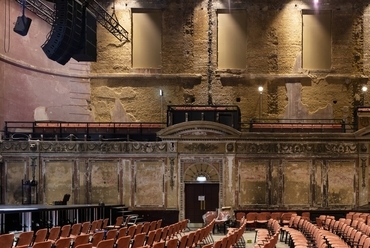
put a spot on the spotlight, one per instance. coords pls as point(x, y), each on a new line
point(364, 88)
point(315, 1)
point(161, 92)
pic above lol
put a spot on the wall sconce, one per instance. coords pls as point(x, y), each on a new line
point(161, 95)
point(364, 90)
point(260, 90)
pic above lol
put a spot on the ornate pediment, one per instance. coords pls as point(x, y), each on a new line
point(198, 130)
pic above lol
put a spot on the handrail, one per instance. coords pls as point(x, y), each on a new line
point(297, 125)
point(72, 130)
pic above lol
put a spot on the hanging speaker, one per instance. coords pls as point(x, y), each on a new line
point(22, 25)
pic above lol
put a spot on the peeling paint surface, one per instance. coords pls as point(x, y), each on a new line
point(149, 183)
point(341, 182)
point(252, 182)
point(296, 182)
point(104, 182)
point(15, 174)
point(58, 180)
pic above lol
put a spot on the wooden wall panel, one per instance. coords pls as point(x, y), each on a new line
point(296, 182)
point(104, 182)
point(15, 172)
point(252, 185)
point(341, 181)
point(317, 181)
point(149, 184)
point(58, 180)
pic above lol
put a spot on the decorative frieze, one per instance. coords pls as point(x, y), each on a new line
point(297, 148)
point(200, 147)
point(83, 147)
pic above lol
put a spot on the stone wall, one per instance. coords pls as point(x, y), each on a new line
point(258, 171)
point(111, 90)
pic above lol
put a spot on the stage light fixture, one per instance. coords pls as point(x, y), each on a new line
point(23, 23)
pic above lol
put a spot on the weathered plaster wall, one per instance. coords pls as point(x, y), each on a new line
point(104, 181)
point(58, 180)
point(33, 87)
point(189, 73)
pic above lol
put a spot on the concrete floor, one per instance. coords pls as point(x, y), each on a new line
point(249, 236)
point(249, 239)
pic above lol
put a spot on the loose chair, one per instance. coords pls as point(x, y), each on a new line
point(172, 243)
point(63, 243)
point(64, 232)
point(159, 245)
point(85, 227)
point(96, 238)
point(53, 234)
point(40, 235)
point(44, 244)
point(75, 230)
point(122, 232)
point(111, 234)
point(139, 240)
point(81, 239)
point(88, 245)
point(104, 224)
point(94, 226)
point(118, 224)
point(105, 244)
point(123, 242)
point(6, 240)
point(25, 238)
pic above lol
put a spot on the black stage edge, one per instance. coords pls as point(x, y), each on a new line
point(34, 217)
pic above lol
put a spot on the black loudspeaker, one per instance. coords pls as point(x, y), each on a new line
point(87, 45)
point(73, 37)
point(53, 47)
point(22, 25)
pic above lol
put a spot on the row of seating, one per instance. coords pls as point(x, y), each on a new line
point(267, 237)
point(260, 219)
point(148, 233)
point(337, 234)
point(233, 238)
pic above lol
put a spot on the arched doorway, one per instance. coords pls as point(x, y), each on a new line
point(202, 191)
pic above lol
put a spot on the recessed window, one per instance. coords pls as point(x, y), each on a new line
point(316, 44)
point(231, 40)
point(146, 39)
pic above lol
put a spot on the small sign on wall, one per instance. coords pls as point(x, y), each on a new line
point(201, 197)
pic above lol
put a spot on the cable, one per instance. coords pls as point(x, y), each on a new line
point(23, 6)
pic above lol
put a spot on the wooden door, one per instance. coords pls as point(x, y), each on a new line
point(200, 198)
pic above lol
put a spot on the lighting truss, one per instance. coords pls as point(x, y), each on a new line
point(40, 9)
point(46, 13)
point(108, 21)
